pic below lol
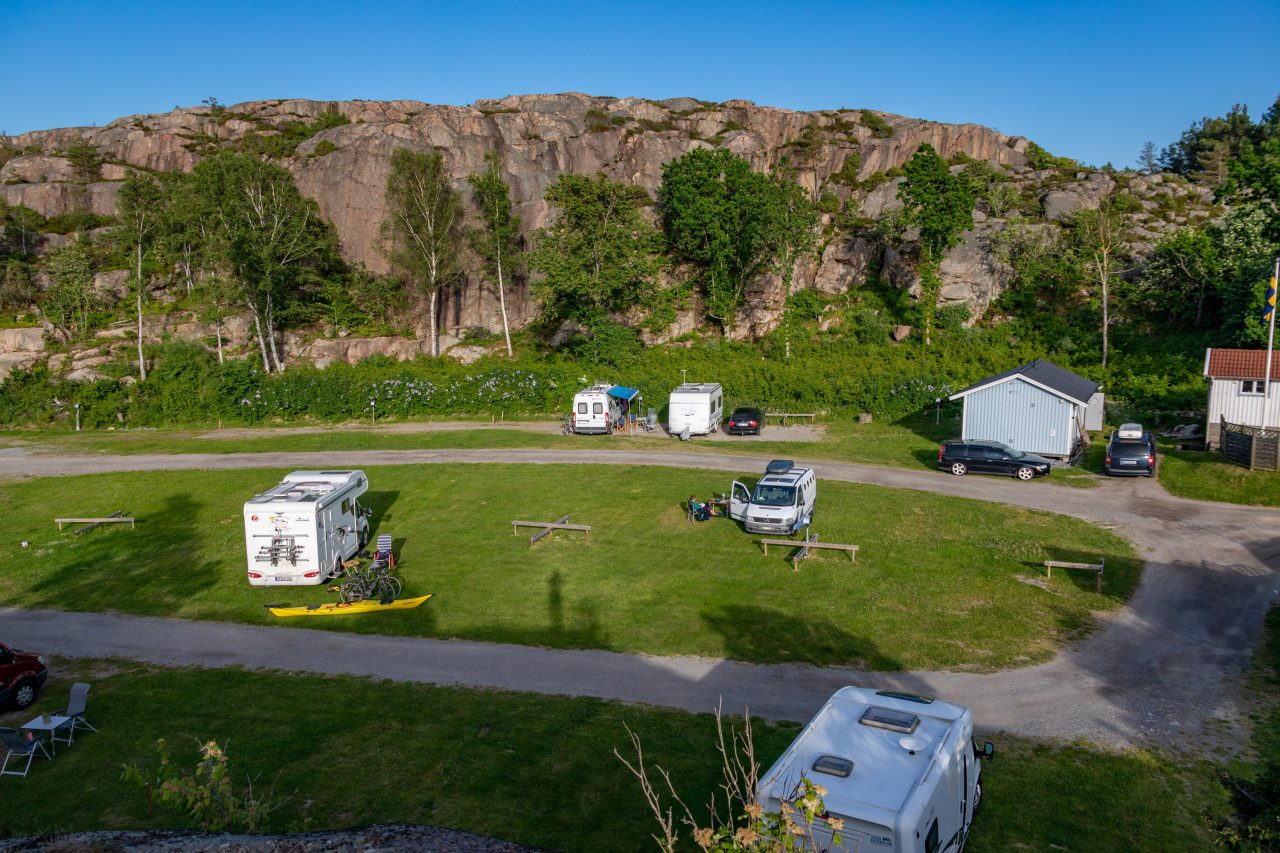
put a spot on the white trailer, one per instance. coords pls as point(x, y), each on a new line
point(901, 772)
point(300, 531)
point(596, 411)
point(695, 408)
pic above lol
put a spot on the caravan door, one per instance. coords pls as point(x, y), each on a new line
point(739, 499)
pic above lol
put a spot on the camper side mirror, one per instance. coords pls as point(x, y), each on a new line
point(366, 512)
point(988, 750)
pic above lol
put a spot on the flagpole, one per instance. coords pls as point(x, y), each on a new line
point(1271, 339)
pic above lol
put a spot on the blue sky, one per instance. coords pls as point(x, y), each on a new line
point(1091, 81)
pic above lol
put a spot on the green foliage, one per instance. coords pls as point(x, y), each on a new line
point(86, 162)
point(829, 203)
point(22, 227)
point(497, 240)
point(17, 284)
point(70, 301)
point(880, 129)
point(75, 222)
point(284, 138)
point(207, 794)
point(598, 120)
point(952, 318)
point(599, 256)
point(935, 201)
point(1042, 159)
point(732, 223)
point(323, 147)
point(848, 173)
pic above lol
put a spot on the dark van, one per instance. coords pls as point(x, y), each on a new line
point(1131, 452)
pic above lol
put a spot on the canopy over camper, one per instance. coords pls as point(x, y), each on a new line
point(602, 409)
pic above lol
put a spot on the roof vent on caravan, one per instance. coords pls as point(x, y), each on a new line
point(779, 466)
point(888, 718)
point(833, 765)
point(913, 744)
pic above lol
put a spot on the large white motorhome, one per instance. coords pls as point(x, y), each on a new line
point(695, 409)
point(902, 772)
point(596, 411)
point(782, 502)
point(301, 531)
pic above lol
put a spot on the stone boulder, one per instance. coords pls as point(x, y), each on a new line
point(467, 354)
point(22, 340)
point(846, 262)
point(36, 169)
point(972, 276)
point(325, 351)
point(111, 286)
point(1088, 194)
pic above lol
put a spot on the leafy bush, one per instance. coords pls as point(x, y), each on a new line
point(879, 128)
point(77, 221)
point(1041, 159)
point(848, 173)
point(952, 318)
point(323, 147)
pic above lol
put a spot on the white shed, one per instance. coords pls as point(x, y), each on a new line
point(1236, 383)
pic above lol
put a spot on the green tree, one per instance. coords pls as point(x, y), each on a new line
point(21, 229)
point(732, 223)
point(86, 162)
point(1147, 160)
point(941, 206)
point(17, 285)
point(423, 229)
point(496, 241)
point(140, 208)
point(70, 300)
point(600, 254)
point(1183, 272)
point(1100, 235)
point(265, 234)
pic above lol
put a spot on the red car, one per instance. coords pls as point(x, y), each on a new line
point(22, 674)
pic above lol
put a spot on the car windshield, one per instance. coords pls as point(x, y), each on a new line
point(1014, 453)
point(774, 495)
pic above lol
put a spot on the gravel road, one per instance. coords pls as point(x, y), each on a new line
point(1165, 669)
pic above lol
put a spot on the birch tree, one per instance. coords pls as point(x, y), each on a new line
point(423, 231)
point(141, 211)
point(496, 240)
point(1101, 236)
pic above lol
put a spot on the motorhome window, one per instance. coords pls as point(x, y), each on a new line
point(888, 718)
point(597, 408)
point(774, 496)
point(582, 408)
point(932, 840)
point(346, 506)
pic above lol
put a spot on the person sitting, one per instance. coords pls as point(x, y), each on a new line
point(699, 510)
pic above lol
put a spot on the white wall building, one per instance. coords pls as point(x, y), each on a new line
point(1236, 381)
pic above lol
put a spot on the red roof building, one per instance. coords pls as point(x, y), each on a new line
point(1238, 391)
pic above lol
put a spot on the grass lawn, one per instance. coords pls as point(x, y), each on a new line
point(939, 582)
point(344, 752)
point(908, 443)
point(1206, 476)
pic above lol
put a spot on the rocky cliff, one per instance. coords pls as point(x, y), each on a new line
point(539, 137)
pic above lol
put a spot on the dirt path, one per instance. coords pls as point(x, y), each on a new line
point(1159, 670)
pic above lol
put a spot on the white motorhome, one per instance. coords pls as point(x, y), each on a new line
point(902, 772)
point(301, 531)
point(596, 411)
point(695, 409)
point(783, 500)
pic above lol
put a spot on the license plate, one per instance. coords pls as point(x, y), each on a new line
point(1128, 461)
point(283, 578)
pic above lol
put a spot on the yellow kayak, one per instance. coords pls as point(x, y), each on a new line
point(340, 609)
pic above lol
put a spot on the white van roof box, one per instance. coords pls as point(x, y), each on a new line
point(1130, 431)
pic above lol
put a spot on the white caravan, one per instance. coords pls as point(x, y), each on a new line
point(783, 500)
point(596, 411)
point(901, 772)
point(695, 409)
point(301, 531)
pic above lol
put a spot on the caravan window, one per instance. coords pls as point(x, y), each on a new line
point(346, 506)
point(597, 408)
point(932, 841)
point(582, 408)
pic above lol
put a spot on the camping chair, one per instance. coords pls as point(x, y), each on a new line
point(20, 746)
point(382, 555)
point(651, 422)
point(75, 710)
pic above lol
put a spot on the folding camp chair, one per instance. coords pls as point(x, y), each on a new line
point(75, 710)
point(651, 422)
point(382, 554)
point(18, 747)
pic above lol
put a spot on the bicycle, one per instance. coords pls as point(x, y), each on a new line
point(374, 582)
point(566, 425)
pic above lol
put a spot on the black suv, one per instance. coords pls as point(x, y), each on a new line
point(1131, 455)
point(990, 457)
point(745, 421)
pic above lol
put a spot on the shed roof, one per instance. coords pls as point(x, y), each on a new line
point(1239, 364)
point(1052, 378)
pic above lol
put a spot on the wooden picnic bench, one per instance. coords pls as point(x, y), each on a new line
point(1050, 565)
point(91, 523)
point(785, 415)
point(803, 548)
point(560, 523)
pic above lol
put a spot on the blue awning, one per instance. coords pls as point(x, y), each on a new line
point(622, 392)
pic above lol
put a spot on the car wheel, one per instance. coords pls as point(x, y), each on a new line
point(1025, 473)
point(977, 796)
point(959, 469)
point(24, 694)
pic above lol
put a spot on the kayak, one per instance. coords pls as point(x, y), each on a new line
point(340, 609)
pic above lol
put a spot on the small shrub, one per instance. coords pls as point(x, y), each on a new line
point(597, 120)
point(323, 147)
point(951, 318)
point(1041, 159)
point(829, 202)
point(879, 128)
point(848, 174)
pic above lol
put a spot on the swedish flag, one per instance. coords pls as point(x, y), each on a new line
point(1269, 308)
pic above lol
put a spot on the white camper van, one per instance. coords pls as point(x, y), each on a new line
point(695, 409)
point(301, 531)
point(596, 411)
point(783, 500)
point(901, 771)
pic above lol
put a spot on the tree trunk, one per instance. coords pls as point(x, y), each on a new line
point(435, 334)
point(217, 330)
point(262, 341)
point(502, 307)
point(271, 336)
point(1106, 309)
point(142, 363)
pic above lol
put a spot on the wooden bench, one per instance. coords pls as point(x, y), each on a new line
point(91, 523)
point(803, 548)
point(785, 415)
point(548, 526)
point(1050, 565)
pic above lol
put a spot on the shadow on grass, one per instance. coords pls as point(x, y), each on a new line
point(1119, 577)
point(161, 564)
point(757, 633)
